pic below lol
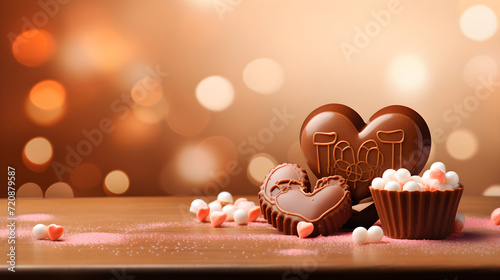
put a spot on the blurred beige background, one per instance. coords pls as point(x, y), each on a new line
point(199, 96)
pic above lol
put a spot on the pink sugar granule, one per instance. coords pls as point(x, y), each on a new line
point(35, 217)
point(296, 252)
point(93, 238)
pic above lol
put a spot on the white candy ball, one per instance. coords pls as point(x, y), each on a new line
point(411, 186)
point(225, 197)
point(196, 205)
point(389, 175)
point(445, 187)
point(378, 183)
point(451, 178)
point(246, 205)
point(403, 175)
point(426, 177)
point(240, 216)
point(438, 165)
point(229, 210)
point(392, 186)
point(375, 234)
point(360, 235)
point(215, 206)
point(417, 179)
point(456, 186)
point(41, 231)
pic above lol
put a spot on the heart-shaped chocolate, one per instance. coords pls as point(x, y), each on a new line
point(336, 141)
point(286, 201)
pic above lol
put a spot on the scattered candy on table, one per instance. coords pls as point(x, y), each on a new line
point(495, 216)
point(434, 179)
point(459, 223)
point(361, 235)
point(223, 210)
point(304, 229)
point(52, 232)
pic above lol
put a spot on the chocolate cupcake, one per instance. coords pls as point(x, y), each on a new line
point(417, 208)
point(287, 202)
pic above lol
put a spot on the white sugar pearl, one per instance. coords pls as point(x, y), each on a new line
point(445, 187)
point(417, 179)
point(360, 235)
point(215, 206)
point(378, 183)
point(425, 177)
point(229, 210)
point(451, 178)
point(389, 175)
point(411, 186)
point(240, 216)
point(246, 205)
point(438, 165)
point(392, 186)
point(403, 175)
point(456, 186)
point(196, 205)
point(375, 234)
point(225, 197)
point(40, 231)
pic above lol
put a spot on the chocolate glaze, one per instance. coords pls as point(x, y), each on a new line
point(336, 141)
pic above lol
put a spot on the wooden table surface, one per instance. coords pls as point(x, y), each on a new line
point(155, 237)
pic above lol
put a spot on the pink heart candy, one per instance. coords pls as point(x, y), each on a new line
point(55, 232)
point(438, 174)
point(304, 229)
point(253, 213)
point(217, 218)
point(203, 213)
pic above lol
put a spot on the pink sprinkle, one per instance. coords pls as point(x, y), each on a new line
point(40, 217)
point(93, 238)
point(296, 252)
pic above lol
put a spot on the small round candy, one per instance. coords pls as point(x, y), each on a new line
point(238, 201)
point(375, 234)
point(240, 216)
point(360, 235)
point(40, 231)
point(433, 185)
point(392, 186)
point(247, 205)
point(411, 186)
point(438, 165)
point(229, 210)
point(225, 197)
point(196, 205)
point(378, 183)
point(495, 216)
point(422, 187)
point(215, 206)
point(389, 175)
point(451, 178)
point(217, 218)
point(403, 175)
point(416, 178)
point(438, 174)
point(445, 187)
point(458, 224)
point(425, 177)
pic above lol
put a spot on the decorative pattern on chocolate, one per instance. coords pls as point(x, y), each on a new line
point(336, 141)
point(285, 202)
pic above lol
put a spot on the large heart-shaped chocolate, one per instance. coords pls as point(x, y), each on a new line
point(336, 141)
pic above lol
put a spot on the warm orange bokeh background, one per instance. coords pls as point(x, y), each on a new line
point(198, 96)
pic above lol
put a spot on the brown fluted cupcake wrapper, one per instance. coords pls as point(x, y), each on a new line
point(327, 225)
point(417, 214)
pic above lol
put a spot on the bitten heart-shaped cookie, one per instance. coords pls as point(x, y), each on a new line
point(287, 202)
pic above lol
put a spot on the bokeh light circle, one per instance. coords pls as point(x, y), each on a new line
point(478, 23)
point(116, 182)
point(38, 150)
point(86, 176)
point(215, 93)
point(29, 190)
point(479, 67)
point(259, 167)
point(33, 47)
point(147, 92)
point(264, 75)
point(195, 164)
point(59, 190)
point(48, 95)
point(407, 73)
point(462, 144)
point(492, 191)
point(187, 120)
